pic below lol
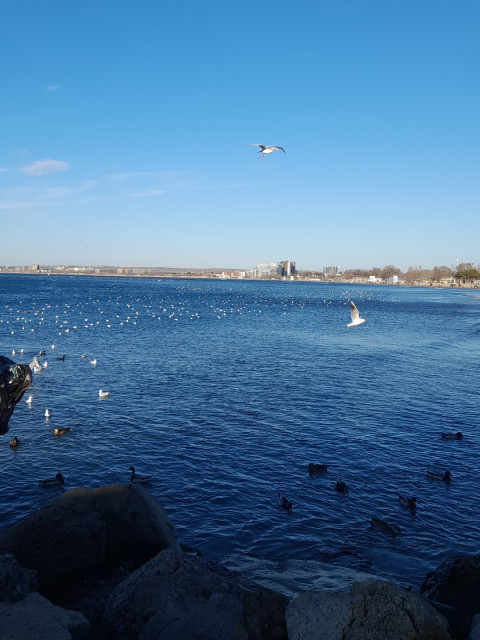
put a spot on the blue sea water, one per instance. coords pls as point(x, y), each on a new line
point(224, 391)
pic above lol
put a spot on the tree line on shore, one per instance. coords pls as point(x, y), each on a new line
point(465, 272)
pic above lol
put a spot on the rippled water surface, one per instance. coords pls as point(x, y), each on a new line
point(224, 392)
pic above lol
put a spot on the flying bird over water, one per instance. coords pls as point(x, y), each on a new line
point(266, 149)
point(356, 320)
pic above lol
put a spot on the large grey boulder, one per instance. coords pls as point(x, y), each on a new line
point(89, 529)
point(456, 583)
point(35, 618)
point(15, 582)
point(178, 596)
point(373, 610)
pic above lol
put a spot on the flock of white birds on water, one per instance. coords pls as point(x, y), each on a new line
point(36, 318)
point(118, 314)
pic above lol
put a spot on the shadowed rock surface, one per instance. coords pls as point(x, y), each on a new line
point(456, 583)
point(178, 596)
point(15, 582)
point(86, 530)
point(35, 618)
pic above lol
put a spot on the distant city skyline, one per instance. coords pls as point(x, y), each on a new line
point(277, 268)
point(122, 144)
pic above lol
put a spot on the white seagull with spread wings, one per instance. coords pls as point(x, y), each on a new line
point(265, 149)
point(356, 319)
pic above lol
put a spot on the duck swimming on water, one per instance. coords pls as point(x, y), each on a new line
point(136, 478)
point(410, 503)
point(381, 525)
point(14, 442)
point(452, 436)
point(62, 431)
point(283, 502)
point(52, 482)
point(341, 486)
point(435, 475)
point(316, 468)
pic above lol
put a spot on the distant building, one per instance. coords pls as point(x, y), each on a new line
point(331, 271)
point(287, 268)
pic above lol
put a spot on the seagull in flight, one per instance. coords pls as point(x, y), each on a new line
point(356, 319)
point(266, 149)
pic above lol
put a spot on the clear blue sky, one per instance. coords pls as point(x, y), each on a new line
point(125, 129)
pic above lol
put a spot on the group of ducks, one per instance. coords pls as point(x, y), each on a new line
point(405, 501)
point(14, 442)
point(59, 479)
point(313, 469)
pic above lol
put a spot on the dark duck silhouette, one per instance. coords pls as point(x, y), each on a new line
point(410, 503)
point(283, 502)
point(381, 525)
point(437, 475)
point(52, 482)
point(134, 477)
point(452, 436)
point(316, 468)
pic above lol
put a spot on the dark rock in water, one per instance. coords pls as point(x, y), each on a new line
point(373, 610)
point(86, 530)
point(15, 582)
point(177, 596)
point(456, 583)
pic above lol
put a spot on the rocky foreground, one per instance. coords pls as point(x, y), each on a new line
point(105, 564)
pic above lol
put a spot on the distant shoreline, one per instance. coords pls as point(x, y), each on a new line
point(212, 276)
